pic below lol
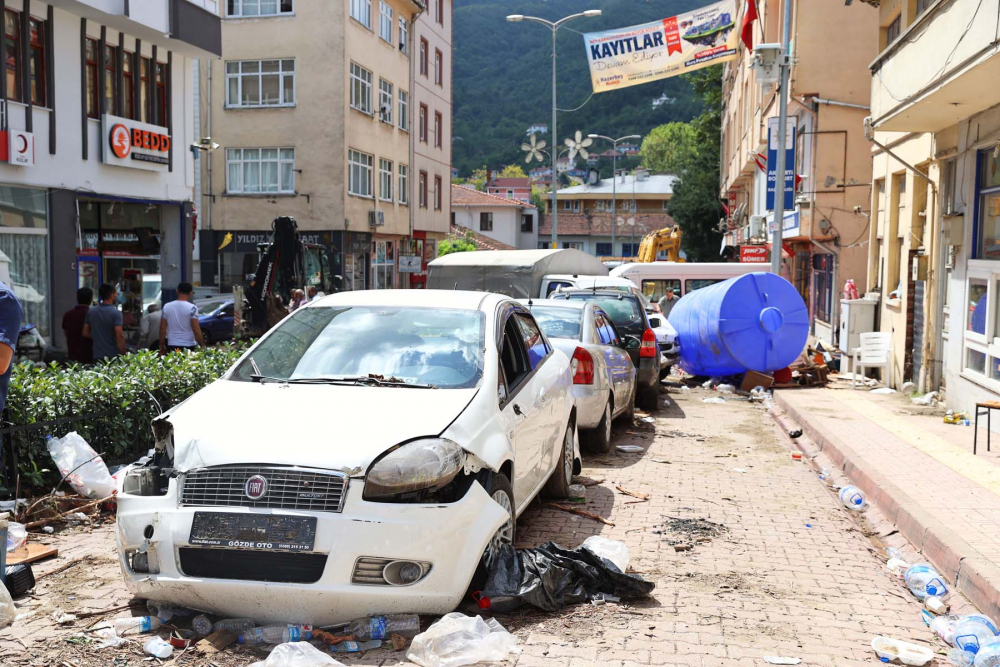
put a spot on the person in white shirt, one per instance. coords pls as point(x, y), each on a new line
point(179, 328)
point(149, 330)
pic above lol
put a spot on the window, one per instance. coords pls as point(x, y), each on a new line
point(439, 11)
point(361, 89)
point(514, 363)
point(359, 174)
point(437, 193)
point(922, 5)
point(438, 67)
point(160, 94)
point(893, 30)
point(423, 56)
point(510, 194)
point(404, 36)
point(383, 265)
point(93, 106)
point(988, 207)
point(422, 187)
point(665, 203)
point(694, 285)
point(404, 111)
point(534, 342)
point(656, 289)
point(437, 128)
point(422, 125)
point(36, 61)
point(12, 32)
point(527, 223)
point(24, 241)
point(385, 21)
point(570, 205)
point(385, 101)
point(128, 79)
point(404, 184)
point(600, 205)
point(572, 245)
point(485, 222)
point(951, 203)
point(110, 79)
point(237, 8)
point(630, 250)
point(361, 11)
point(603, 249)
point(260, 83)
point(385, 180)
point(260, 170)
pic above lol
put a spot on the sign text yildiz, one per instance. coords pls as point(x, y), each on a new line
point(662, 49)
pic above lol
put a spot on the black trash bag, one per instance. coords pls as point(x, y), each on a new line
point(550, 577)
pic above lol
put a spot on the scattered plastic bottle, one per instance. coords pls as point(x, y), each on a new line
point(380, 627)
point(201, 625)
point(988, 656)
point(852, 498)
point(354, 647)
point(924, 580)
point(276, 634)
point(974, 631)
point(164, 611)
point(235, 625)
point(158, 647)
point(960, 658)
point(944, 627)
point(136, 625)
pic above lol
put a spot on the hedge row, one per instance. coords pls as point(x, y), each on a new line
point(111, 404)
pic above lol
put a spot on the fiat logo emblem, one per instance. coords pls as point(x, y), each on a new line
point(255, 488)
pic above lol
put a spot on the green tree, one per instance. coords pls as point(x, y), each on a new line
point(456, 244)
point(512, 171)
point(669, 148)
point(478, 178)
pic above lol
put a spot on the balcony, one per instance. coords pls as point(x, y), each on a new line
point(941, 69)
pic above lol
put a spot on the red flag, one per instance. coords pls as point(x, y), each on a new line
point(746, 34)
point(761, 161)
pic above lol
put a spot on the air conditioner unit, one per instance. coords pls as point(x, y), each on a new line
point(376, 218)
point(757, 226)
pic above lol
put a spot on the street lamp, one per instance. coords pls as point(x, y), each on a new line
point(554, 27)
point(614, 179)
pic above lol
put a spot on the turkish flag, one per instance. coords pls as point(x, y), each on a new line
point(746, 34)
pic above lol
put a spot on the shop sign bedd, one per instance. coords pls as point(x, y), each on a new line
point(662, 49)
point(134, 144)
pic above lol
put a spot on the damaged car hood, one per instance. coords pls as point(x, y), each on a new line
point(331, 427)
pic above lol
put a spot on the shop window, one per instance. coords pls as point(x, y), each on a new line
point(988, 206)
point(239, 8)
point(360, 178)
point(264, 83)
point(93, 104)
point(260, 170)
point(383, 265)
point(975, 361)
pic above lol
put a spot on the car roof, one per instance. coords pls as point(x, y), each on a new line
point(614, 294)
point(418, 298)
point(556, 303)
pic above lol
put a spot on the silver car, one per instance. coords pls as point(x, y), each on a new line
point(604, 377)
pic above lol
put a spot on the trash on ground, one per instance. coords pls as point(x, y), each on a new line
point(960, 658)
point(973, 631)
point(725, 389)
point(380, 627)
point(577, 491)
point(612, 550)
point(715, 400)
point(883, 390)
point(276, 634)
point(648, 420)
point(935, 604)
point(19, 579)
point(892, 650)
point(758, 394)
point(182, 638)
point(217, 641)
point(81, 466)
point(795, 434)
point(456, 639)
point(62, 618)
point(298, 654)
point(135, 625)
point(550, 577)
point(739, 470)
point(688, 530)
point(926, 399)
point(330, 638)
point(573, 510)
point(7, 609)
point(158, 647)
point(630, 449)
point(957, 418)
point(234, 625)
point(988, 655)
point(923, 580)
point(165, 611)
point(897, 566)
point(907, 387)
point(683, 547)
point(655, 460)
point(853, 499)
point(201, 625)
point(602, 598)
point(781, 660)
point(351, 646)
point(634, 494)
point(48, 530)
point(106, 638)
point(944, 628)
point(796, 456)
point(17, 535)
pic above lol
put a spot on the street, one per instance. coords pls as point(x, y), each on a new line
point(776, 566)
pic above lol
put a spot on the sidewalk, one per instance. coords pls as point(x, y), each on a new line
point(919, 472)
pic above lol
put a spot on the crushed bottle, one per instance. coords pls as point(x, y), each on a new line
point(237, 626)
point(276, 634)
point(380, 627)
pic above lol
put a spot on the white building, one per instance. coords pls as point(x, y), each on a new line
point(509, 221)
point(96, 175)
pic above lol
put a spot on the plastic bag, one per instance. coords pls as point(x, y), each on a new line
point(17, 535)
point(159, 647)
point(550, 577)
point(456, 639)
point(81, 466)
point(7, 609)
point(297, 654)
point(614, 550)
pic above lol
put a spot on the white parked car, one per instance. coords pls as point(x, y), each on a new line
point(604, 377)
point(367, 455)
point(666, 340)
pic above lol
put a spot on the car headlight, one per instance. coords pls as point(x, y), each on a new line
point(144, 482)
point(422, 465)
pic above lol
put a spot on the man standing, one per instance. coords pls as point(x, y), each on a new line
point(10, 328)
point(667, 302)
point(179, 328)
point(103, 325)
point(149, 330)
point(80, 350)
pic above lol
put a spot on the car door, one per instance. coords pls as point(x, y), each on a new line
point(602, 338)
point(624, 372)
point(225, 317)
point(544, 382)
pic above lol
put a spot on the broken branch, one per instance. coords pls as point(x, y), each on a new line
point(573, 510)
point(634, 494)
point(45, 522)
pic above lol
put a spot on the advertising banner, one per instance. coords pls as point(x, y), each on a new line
point(753, 254)
point(662, 49)
point(772, 163)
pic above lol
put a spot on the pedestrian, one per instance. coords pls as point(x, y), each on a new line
point(314, 293)
point(668, 301)
point(298, 298)
point(103, 325)
point(179, 329)
point(149, 330)
point(11, 316)
point(80, 350)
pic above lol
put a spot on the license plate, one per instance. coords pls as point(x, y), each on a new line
point(253, 531)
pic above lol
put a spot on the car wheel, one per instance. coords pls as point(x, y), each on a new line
point(629, 414)
point(649, 398)
point(501, 491)
point(206, 336)
point(599, 439)
point(562, 476)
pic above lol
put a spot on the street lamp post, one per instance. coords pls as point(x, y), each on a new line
point(554, 27)
point(614, 179)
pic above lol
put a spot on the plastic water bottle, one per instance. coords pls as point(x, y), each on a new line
point(237, 626)
point(276, 634)
point(380, 627)
point(974, 631)
point(960, 658)
point(852, 498)
point(201, 625)
point(164, 611)
point(136, 625)
point(924, 580)
point(354, 647)
point(988, 656)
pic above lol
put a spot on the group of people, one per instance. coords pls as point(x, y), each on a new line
point(94, 333)
point(299, 297)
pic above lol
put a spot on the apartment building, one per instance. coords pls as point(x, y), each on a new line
point(313, 106)
point(828, 98)
point(935, 238)
point(96, 175)
point(512, 222)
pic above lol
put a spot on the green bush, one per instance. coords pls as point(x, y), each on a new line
point(110, 404)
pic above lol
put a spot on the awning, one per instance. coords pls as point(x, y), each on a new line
point(786, 250)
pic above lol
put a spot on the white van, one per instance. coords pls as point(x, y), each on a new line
point(556, 282)
point(654, 278)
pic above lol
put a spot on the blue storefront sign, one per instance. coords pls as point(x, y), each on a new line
point(772, 161)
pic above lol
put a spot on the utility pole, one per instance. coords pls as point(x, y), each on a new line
point(784, 65)
point(614, 179)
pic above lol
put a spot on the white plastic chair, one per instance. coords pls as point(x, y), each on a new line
point(875, 352)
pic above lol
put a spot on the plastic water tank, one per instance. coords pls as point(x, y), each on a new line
point(753, 322)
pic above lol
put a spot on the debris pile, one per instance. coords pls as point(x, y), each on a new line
point(683, 534)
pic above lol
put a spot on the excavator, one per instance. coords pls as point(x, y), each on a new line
point(667, 239)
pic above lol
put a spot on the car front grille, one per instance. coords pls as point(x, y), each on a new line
point(287, 488)
point(271, 566)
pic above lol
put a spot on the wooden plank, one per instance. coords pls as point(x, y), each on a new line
point(30, 553)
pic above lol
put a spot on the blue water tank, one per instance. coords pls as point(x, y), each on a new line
point(754, 322)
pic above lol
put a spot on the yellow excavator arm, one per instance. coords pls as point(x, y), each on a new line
point(667, 239)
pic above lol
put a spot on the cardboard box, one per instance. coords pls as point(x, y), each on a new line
point(754, 379)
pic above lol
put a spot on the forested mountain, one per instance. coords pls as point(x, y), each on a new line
point(503, 77)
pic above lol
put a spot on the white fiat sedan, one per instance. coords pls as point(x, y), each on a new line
point(368, 455)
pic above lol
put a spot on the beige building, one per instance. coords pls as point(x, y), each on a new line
point(313, 105)
point(512, 222)
point(825, 231)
